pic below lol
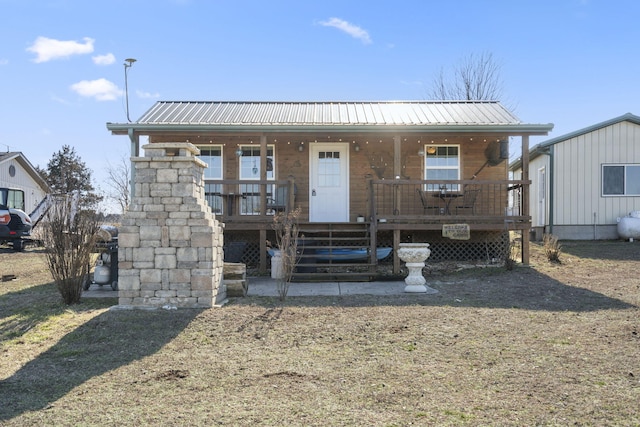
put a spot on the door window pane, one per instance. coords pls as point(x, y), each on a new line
point(329, 169)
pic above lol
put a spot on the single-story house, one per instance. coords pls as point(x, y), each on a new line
point(582, 182)
point(364, 175)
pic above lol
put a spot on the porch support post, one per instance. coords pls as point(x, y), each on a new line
point(263, 201)
point(263, 251)
point(397, 172)
point(525, 199)
point(263, 174)
point(397, 156)
point(396, 246)
point(135, 152)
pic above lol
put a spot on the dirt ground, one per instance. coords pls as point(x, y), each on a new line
point(550, 344)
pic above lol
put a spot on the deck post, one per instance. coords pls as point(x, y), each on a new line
point(525, 199)
point(263, 251)
point(373, 222)
point(396, 246)
point(291, 194)
point(263, 175)
point(397, 172)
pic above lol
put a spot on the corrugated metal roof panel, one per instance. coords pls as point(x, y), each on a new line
point(409, 113)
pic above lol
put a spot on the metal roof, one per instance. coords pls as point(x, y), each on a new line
point(543, 147)
point(334, 116)
point(327, 113)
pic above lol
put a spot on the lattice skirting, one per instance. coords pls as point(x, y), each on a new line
point(484, 246)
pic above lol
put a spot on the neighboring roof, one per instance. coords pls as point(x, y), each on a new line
point(408, 116)
point(27, 166)
point(543, 147)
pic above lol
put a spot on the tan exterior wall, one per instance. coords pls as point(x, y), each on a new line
point(578, 174)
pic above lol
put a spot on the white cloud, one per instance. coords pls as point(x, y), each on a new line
point(347, 27)
point(147, 95)
point(101, 89)
point(48, 49)
point(107, 59)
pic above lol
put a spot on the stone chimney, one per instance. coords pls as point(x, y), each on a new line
point(170, 243)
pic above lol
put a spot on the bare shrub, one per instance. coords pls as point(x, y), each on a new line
point(69, 240)
point(551, 247)
point(285, 225)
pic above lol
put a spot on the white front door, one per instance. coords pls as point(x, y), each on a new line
point(329, 182)
point(542, 198)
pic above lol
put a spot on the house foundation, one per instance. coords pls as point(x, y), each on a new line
point(170, 243)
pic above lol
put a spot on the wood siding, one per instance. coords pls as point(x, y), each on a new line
point(373, 159)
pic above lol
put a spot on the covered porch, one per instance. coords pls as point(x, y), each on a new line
point(388, 172)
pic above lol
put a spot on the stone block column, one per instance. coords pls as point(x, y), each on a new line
point(170, 243)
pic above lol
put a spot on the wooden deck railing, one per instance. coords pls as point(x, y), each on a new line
point(393, 201)
point(445, 200)
point(250, 201)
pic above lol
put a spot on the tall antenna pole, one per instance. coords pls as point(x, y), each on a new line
point(127, 64)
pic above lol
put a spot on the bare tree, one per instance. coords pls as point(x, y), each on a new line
point(69, 239)
point(477, 77)
point(285, 225)
point(118, 183)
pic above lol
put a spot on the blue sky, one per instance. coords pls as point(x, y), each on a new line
point(573, 63)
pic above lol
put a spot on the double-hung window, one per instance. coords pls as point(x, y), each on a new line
point(442, 162)
point(212, 156)
point(250, 170)
point(621, 180)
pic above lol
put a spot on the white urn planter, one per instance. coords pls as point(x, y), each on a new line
point(414, 255)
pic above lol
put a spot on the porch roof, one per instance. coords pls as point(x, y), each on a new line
point(370, 116)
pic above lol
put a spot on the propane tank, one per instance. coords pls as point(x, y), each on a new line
point(101, 274)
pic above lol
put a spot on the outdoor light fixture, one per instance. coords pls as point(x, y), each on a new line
point(239, 151)
point(127, 64)
point(356, 147)
point(301, 147)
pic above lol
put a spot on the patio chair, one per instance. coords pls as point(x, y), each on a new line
point(279, 202)
point(468, 200)
point(429, 203)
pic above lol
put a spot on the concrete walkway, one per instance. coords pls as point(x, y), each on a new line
point(265, 286)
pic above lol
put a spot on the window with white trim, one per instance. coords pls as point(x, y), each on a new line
point(621, 180)
point(442, 162)
point(212, 156)
point(250, 170)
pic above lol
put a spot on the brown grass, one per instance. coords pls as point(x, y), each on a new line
point(553, 344)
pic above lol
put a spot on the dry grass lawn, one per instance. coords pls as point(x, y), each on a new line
point(553, 344)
